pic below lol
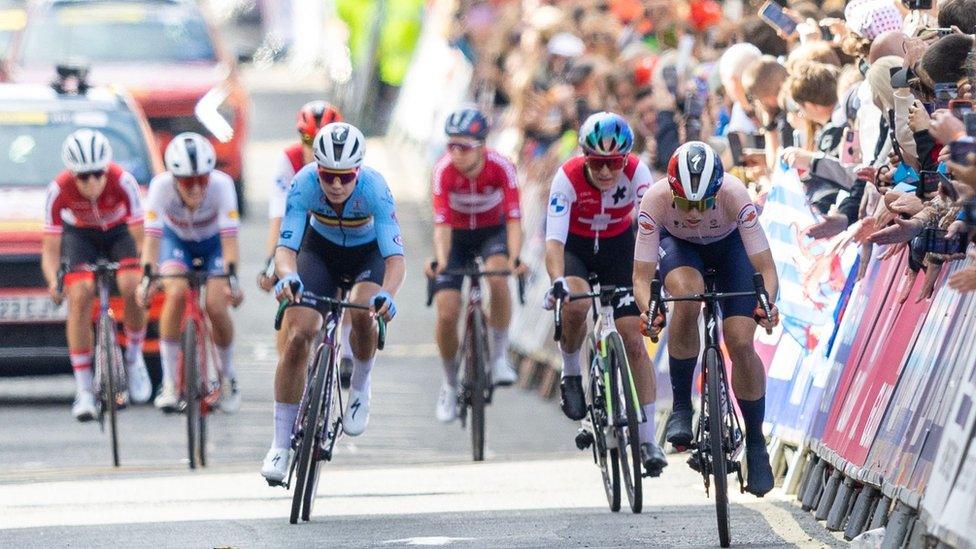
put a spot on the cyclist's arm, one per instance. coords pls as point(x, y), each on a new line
point(561, 198)
point(513, 228)
point(229, 222)
point(295, 221)
point(153, 225)
point(513, 207)
point(394, 273)
point(442, 243)
point(277, 200)
point(555, 264)
point(763, 263)
point(643, 273)
point(752, 234)
point(230, 250)
point(138, 232)
point(442, 213)
point(51, 241)
point(646, 248)
point(134, 204)
point(150, 251)
point(274, 229)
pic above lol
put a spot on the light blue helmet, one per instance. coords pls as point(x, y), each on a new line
point(606, 134)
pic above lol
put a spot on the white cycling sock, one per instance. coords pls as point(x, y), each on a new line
point(451, 371)
point(226, 355)
point(360, 374)
point(134, 340)
point(81, 366)
point(499, 342)
point(284, 421)
point(648, 429)
point(571, 363)
point(345, 349)
point(169, 355)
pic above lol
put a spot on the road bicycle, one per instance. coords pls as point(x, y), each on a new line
point(613, 409)
point(109, 374)
point(476, 387)
point(318, 425)
point(718, 442)
point(198, 374)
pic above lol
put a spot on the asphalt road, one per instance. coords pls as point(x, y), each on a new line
point(407, 481)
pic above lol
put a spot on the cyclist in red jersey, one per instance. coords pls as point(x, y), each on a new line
point(93, 211)
point(589, 229)
point(476, 214)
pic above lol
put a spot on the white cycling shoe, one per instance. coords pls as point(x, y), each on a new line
point(83, 408)
point(168, 400)
point(275, 465)
point(357, 413)
point(230, 396)
point(447, 404)
point(140, 386)
point(502, 372)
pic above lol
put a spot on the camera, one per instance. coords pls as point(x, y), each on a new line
point(917, 4)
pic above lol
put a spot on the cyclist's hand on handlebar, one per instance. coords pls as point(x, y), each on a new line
point(517, 267)
point(266, 278)
point(434, 268)
point(383, 305)
point(289, 288)
point(56, 295)
point(760, 316)
point(556, 293)
point(652, 329)
point(235, 294)
point(145, 291)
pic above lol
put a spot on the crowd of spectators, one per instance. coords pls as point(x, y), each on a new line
point(866, 100)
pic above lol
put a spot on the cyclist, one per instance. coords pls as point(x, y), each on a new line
point(313, 116)
point(589, 230)
point(94, 211)
point(700, 218)
point(476, 214)
point(191, 215)
point(355, 244)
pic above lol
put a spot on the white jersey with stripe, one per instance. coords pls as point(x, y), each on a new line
point(217, 213)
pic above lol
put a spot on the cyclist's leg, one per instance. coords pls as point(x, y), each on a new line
point(447, 303)
point(495, 251)
point(368, 267)
point(122, 248)
point(174, 258)
point(78, 249)
point(218, 304)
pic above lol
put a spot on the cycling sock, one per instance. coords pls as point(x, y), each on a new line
point(345, 351)
point(360, 374)
point(226, 355)
point(284, 420)
point(682, 375)
point(134, 340)
point(169, 355)
point(571, 363)
point(499, 342)
point(648, 429)
point(451, 371)
point(81, 366)
point(753, 412)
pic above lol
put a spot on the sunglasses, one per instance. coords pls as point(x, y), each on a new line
point(597, 163)
point(463, 147)
point(346, 177)
point(84, 176)
point(686, 205)
point(188, 183)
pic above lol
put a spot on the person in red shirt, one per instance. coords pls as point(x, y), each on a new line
point(476, 214)
point(94, 211)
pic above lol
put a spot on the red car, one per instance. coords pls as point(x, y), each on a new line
point(165, 53)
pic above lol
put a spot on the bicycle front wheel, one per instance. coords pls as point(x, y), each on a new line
point(606, 459)
point(326, 436)
point(191, 392)
point(716, 430)
point(310, 426)
point(626, 420)
point(106, 363)
point(477, 361)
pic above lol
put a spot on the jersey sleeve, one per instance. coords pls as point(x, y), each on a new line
point(52, 210)
point(561, 199)
point(642, 182)
point(153, 224)
point(746, 215)
point(277, 198)
point(513, 208)
point(229, 219)
point(133, 200)
point(295, 221)
point(388, 235)
point(650, 219)
point(440, 194)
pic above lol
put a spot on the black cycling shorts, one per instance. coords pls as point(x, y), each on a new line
point(325, 267)
point(86, 246)
point(613, 264)
point(468, 244)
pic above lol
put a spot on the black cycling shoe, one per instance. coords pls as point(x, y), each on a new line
point(678, 429)
point(345, 372)
point(571, 397)
point(760, 480)
point(653, 457)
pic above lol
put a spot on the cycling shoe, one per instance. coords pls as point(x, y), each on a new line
point(653, 458)
point(571, 397)
point(760, 477)
point(678, 429)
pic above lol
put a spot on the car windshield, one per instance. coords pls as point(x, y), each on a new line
point(116, 33)
point(30, 143)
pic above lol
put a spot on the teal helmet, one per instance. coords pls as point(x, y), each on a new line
point(606, 134)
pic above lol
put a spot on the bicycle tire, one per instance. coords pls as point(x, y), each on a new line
point(205, 388)
point(329, 409)
point(716, 431)
point(606, 459)
point(191, 388)
point(478, 347)
point(108, 397)
point(628, 437)
point(306, 448)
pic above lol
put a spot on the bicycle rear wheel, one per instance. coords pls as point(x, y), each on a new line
point(105, 362)
point(477, 346)
point(606, 459)
point(716, 433)
point(324, 437)
point(191, 392)
point(626, 421)
point(309, 431)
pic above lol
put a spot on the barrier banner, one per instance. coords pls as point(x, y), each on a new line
point(956, 524)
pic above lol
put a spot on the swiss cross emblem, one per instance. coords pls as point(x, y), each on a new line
point(598, 222)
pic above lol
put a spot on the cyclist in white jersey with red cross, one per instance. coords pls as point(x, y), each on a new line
point(701, 218)
point(589, 229)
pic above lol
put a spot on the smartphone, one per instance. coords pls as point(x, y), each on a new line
point(944, 93)
point(969, 120)
point(933, 240)
point(735, 147)
point(851, 147)
point(758, 141)
point(929, 183)
point(929, 107)
point(773, 14)
point(959, 150)
point(960, 107)
point(918, 4)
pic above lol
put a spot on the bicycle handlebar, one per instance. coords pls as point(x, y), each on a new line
point(657, 303)
point(558, 309)
point(474, 272)
point(327, 303)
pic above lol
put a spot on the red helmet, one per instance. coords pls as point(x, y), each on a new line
point(313, 116)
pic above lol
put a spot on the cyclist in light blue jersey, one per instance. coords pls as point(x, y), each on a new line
point(354, 244)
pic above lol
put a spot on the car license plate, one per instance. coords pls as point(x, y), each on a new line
point(38, 308)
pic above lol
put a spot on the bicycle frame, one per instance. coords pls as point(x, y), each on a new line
point(329, 336)
point(207, 353)
point(603, 326)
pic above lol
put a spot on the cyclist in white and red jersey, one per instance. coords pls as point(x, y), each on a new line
point(94, 212)
point(589, 229)
point(701, 218)
point(476, 214)
point(191, 215)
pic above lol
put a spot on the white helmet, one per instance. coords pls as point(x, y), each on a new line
point(86, 150)
point(190, 154)
point(339, 146)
